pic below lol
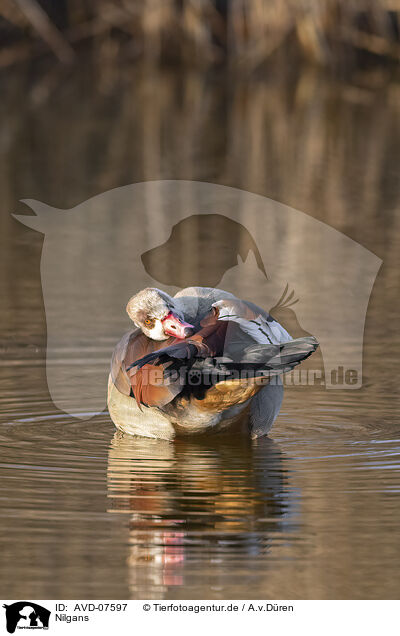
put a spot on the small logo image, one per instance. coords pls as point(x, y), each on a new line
point(26, 615)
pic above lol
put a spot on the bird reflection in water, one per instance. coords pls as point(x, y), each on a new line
point(217, 501)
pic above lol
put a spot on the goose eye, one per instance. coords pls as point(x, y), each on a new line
point(147, 321)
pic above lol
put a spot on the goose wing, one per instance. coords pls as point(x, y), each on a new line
point(253, 321)
point(225, 344)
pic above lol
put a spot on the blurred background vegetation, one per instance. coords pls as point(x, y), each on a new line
point(296, 100)
point(245, 33)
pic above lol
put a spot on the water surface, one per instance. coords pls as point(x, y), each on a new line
point(312, 512)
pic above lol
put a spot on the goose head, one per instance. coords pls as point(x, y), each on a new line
point(157, 315)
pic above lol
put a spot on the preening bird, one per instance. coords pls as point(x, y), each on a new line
point(202, 361)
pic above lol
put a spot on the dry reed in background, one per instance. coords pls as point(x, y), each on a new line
point(202, 32)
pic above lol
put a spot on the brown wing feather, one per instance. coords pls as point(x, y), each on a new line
point(120, 354)
point(145, 383)
point(146, 361)
point(150, 387)
point(212, 336)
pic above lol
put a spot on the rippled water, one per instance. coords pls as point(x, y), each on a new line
point(312, 512)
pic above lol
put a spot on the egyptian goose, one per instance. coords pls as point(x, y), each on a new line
point(200, 362)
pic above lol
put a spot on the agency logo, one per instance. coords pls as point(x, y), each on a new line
point(26, 615)
point(175, 234)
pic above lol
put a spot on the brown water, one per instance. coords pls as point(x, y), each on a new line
point(312, 512)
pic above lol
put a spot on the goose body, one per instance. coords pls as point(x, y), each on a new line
point(202, 361)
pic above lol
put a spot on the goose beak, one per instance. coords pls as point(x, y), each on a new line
point(174, 326)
